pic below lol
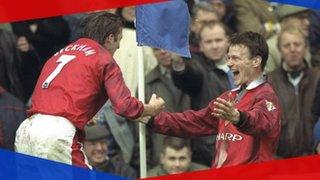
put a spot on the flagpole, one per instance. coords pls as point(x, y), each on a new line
point(152, 21)
point(142, 127)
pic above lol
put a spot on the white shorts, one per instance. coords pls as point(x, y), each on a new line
point(50, 137)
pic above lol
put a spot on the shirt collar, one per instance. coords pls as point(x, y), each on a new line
point(163, 70)
point(262, 79)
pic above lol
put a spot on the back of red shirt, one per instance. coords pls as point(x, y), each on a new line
point(77, 81)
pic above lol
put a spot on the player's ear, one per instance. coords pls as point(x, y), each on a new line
point(109, 39)
point(257, 61)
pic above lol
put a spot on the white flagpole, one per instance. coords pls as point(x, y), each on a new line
point(142, 127)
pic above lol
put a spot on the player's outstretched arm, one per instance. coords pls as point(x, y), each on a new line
point(154, 107)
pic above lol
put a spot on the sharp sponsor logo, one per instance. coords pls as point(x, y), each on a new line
point(228, 137)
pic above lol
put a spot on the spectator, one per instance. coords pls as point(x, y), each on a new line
point(6, 26)
point(12, 113)
point(159, 81)
point(295, 85)
point(96, 149)
point(175, 158)
point(205, 77)
point(128, 15)
point(10, 64)
point(289, 16)
point(225, 11)
point(47, 35)
point(257, 16)
point(121, 139)
point(201, 13)
point(30, 68)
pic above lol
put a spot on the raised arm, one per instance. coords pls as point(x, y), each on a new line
point(187, 76)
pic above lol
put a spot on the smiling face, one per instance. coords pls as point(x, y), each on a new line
point(96, 151)
point(176, 161)
point(245, 69)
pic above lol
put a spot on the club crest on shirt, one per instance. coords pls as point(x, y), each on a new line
point(270, 106)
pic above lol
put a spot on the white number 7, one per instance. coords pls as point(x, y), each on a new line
point(63, 60)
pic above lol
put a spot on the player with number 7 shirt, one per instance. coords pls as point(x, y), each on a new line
point(73, 85)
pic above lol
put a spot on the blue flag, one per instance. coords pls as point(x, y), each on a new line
point(16, 166)
point(164, 25)
point(313, 4)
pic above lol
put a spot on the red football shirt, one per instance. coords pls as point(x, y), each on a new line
point(253, 140)
point(77, 81)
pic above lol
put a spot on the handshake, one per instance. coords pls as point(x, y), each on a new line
point(154, 107)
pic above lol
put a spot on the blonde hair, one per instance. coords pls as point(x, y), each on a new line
point(291, 29)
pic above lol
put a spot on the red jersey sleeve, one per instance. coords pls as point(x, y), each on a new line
point(119, 94)
point(186, 124)
point(263, 117)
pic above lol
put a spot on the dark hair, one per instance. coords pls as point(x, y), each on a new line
point(255, 43)
point(211, 24)
point(175, 143)
point(98, 26)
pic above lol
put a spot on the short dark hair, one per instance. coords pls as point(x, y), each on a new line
point(211, 24)
point(175, 143)
point(255, 43)
point(98, 26)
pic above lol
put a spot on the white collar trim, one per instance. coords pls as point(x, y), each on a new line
point(262, 79)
